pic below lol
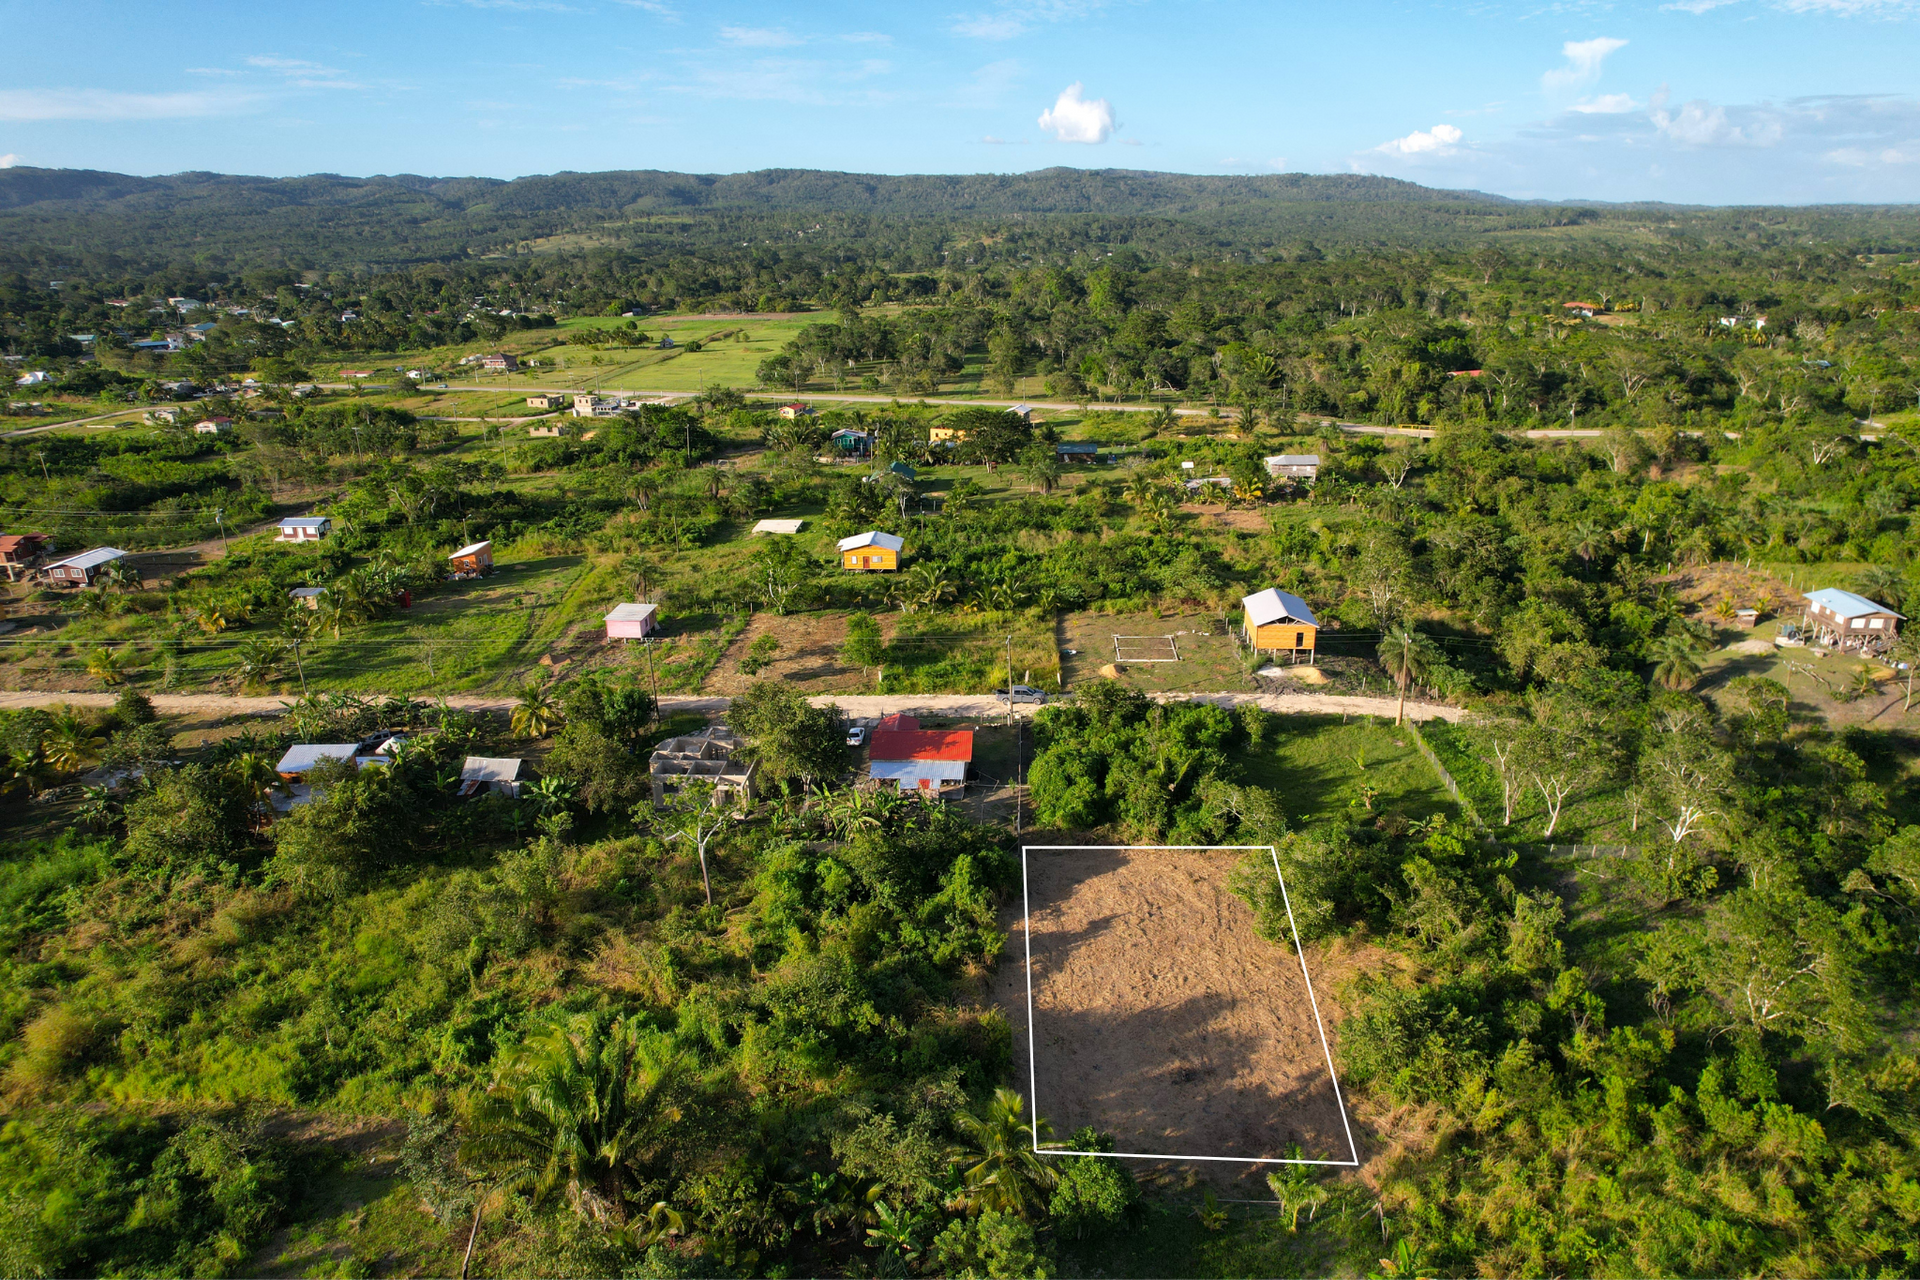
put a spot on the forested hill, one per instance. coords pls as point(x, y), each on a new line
point(1127, 192)
point(81, 222)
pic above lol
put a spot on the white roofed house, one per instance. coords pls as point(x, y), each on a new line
point(631, 621)
point(871, 551)
point(1280, 622)
point(1851, 622)
point(304, 529)
point(81, 570)
point(1294, 466)
point(481, 774)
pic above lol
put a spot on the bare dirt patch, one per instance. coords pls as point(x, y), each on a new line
point(1209, 661)
point(808, 656)
point(1161, 1017)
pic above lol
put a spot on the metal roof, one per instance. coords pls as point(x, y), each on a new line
point(1076, 446)
point(778, 526)
point(1275, 605)
point(470, 548)
point(1294, 460)
point(306, 755)
point(492, 769)
point(631, 612)
point(908, 774)
point(891, 541)
point(90, 559)
point(921, 745)
point(304, 522)
point(1846, 604)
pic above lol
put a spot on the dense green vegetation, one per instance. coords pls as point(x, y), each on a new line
point(1638, 1000)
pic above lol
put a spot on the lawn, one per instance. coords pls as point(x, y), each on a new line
point(1321, 766)
point(1208, 660)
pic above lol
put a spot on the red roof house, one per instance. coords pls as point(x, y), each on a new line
point(898, 720)
point(921, 759)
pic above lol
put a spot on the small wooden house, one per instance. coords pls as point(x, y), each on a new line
point(631, 621)
point(472, 560)
point(1279, 622)
point(1851, 622)
point(871, 552)
point(306, 597)
point(304, 529)
point(795, 410)
point(852, 443)
point(20, 551)
point(81, 570)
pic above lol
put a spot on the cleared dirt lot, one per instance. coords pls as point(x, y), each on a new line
point(1161, 1017)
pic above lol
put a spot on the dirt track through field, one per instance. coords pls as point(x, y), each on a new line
point(1160, 1016)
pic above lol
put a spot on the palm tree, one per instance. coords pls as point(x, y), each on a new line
point(1407, 655)
point(258, 661)
point(579, 1108)
point(255, 775)
point(104, 665)
point(1589, 535)
point(1002, 1170)
point(25, 768)
point(71, 743)
point(538, 712)
point(1676, 661)
point(1882, 584)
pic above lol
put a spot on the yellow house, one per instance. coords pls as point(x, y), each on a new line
point(946, 435)
point(871, 552)
point(1278, 622)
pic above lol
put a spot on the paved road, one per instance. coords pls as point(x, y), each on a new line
point(859, 706)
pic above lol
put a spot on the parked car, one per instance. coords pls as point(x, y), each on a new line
point(857, 736)
point(1022, 693)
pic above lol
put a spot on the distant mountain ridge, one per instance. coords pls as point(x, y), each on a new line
point(1124, 192)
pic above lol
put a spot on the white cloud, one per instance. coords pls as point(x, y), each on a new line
point(867, 37)
point(759, 37)
point(1073, 118)
point(1861, 157)
point(995, 26)
point(87, 104)
point(1439, 140)
point(305, 75)
point(9, 160)
point(1607, 104)
point(1701, 124)
point(1697, 6)
point(1583, 63)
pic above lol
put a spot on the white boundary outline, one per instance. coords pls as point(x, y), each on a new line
point(1173, 647)
point(1033, 1070)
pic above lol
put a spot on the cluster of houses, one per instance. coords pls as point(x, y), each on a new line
point(479, 775)
point(900, 754)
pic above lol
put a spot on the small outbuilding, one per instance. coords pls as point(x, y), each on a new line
point(472, 560)
point(481, 774)
point(306, 597)
point(302, 758)
point(213, 426)
point(872, 551)
point(304, 529)
point(1280, 622)
point(1077, 451)
point(631, 621)
point(1294, 466)
point(1850, 622)
point(81, 570)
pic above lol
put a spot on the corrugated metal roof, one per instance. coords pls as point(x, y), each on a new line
point(778, 526)
point(922, 744)
point(898, 720)
point(491, 769)
point(90, 559)
point(470, 549)
point(909, 774)
point(303, 756)
point(631, 612)
point(891, 541)
point(1846, 604)
point(1294, 460)
point(304, 522)
point(1275, 605)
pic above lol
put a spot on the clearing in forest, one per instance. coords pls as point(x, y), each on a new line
point(1156, 1013)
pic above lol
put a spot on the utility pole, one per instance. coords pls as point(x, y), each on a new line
point(1009, 679)
point(217, 519)
point(652, 683)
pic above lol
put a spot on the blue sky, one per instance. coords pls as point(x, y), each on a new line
point(1700, 101)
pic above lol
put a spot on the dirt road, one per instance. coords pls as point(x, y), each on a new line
point(857, 706)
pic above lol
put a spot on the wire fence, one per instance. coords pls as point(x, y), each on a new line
point(1446, 779)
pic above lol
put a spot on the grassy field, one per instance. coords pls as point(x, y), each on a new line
point(1207, 660)
point(1325, 765)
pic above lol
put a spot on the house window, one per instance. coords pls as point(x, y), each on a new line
point(1299, 639)
point(1857, 623)
point(1875, 623)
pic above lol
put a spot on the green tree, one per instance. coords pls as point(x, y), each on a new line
point(794, 740)
point(999, 1170)
point(536, 712)
point(582, 1108)
point(1407, 655)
